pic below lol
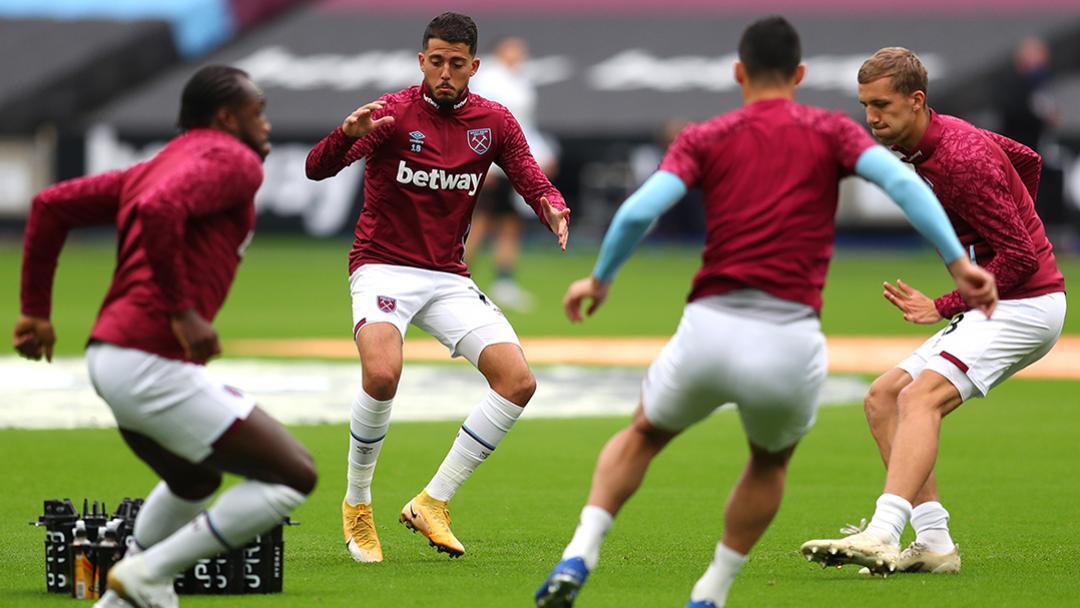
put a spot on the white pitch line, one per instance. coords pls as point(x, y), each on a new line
point(34, 395)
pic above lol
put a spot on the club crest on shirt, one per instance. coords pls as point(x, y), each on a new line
point(386, 304)
point(479, 139)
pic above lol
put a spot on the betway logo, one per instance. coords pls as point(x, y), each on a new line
point(437, 179)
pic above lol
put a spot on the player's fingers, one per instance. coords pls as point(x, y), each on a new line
point(382, 122)
point(49, 352)
point(573, 310)
point(894, 291)
point(592, 307)
point(904, 287)
point(894, 300)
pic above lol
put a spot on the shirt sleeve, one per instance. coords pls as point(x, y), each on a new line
point(1027, 162)
point(683, 158)
point(86, 201)
point(850, 141)
point(525, 175)
point(337, 150)
point(979, 194)
point(215, 182)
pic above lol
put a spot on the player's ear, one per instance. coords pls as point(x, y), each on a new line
point(918, 101)
point(475, 66)
point(740, 73)
point(226, 118)
point(800, 73)
point(420, 58)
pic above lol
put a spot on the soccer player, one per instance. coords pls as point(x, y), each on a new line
point(987, 184)
point(184, 219)
point(427, 149)
point(750, 333)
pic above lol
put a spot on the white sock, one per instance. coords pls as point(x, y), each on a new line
point(890, 518)
point(240, 513)
point(931, 523)
point(714, 584)
point(160, 515)
point(367, 429)
point(592, 527)
point(476, 440)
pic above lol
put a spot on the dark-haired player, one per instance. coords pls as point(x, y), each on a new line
point(987, 184)
point(750, 333)
point(184, 218)
point(427, 150)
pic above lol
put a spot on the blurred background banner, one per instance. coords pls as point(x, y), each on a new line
point(614, 81)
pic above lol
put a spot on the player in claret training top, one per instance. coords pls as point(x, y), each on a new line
point(427, 149)
point(184, 219)
point(987, 184)
point(750, 333)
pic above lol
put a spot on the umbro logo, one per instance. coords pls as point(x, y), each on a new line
point(416, 141)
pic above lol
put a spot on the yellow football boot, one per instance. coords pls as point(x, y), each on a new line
point(360, 536)
point(431, 518)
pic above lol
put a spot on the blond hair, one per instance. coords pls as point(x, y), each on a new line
point(901, 65)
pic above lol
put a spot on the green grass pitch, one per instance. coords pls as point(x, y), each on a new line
point(1007, 474)
point(299, 288)
point(1006, 469)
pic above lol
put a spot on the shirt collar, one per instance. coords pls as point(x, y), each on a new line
point(926, 146)
point(431, 104)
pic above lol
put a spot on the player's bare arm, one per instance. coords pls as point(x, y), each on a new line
point(34, 337)
point(360, 122)
point(196, 335)
point(558, 221)
point(589, 288)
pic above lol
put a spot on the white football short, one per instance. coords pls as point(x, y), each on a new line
point(177, 404)
point(976, 354)
point(764, 354)
point(448, 306)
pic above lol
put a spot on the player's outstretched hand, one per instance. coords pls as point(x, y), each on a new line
point(916, 306)
point(976, 285)
point(34, 337)
point(196, 335)
point(589, 288)
point(558, 220)
point(359, 123)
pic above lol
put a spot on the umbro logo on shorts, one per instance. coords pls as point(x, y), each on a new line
point(386, 304)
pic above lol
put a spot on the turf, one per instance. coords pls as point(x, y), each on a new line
point(293, 287)
point(1007, 474)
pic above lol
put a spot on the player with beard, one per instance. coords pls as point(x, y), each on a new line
point(427, 149)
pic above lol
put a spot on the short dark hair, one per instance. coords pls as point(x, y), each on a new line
point(453, 28)
point(770, 49)
point(208, 90)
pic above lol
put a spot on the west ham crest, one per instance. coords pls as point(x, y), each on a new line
point(386, 304)
point(479, 139)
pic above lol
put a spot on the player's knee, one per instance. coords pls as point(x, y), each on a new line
point(192, 485)
point(517, 387)
point(880, 402)
point(381, 382)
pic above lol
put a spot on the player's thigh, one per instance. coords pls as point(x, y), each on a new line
point(259, 447)
point(772, 371)
point(464, 319)
point(384, 293)
point(176, 404)
point(782, 368)
point(189, 480)
point(976, 354)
